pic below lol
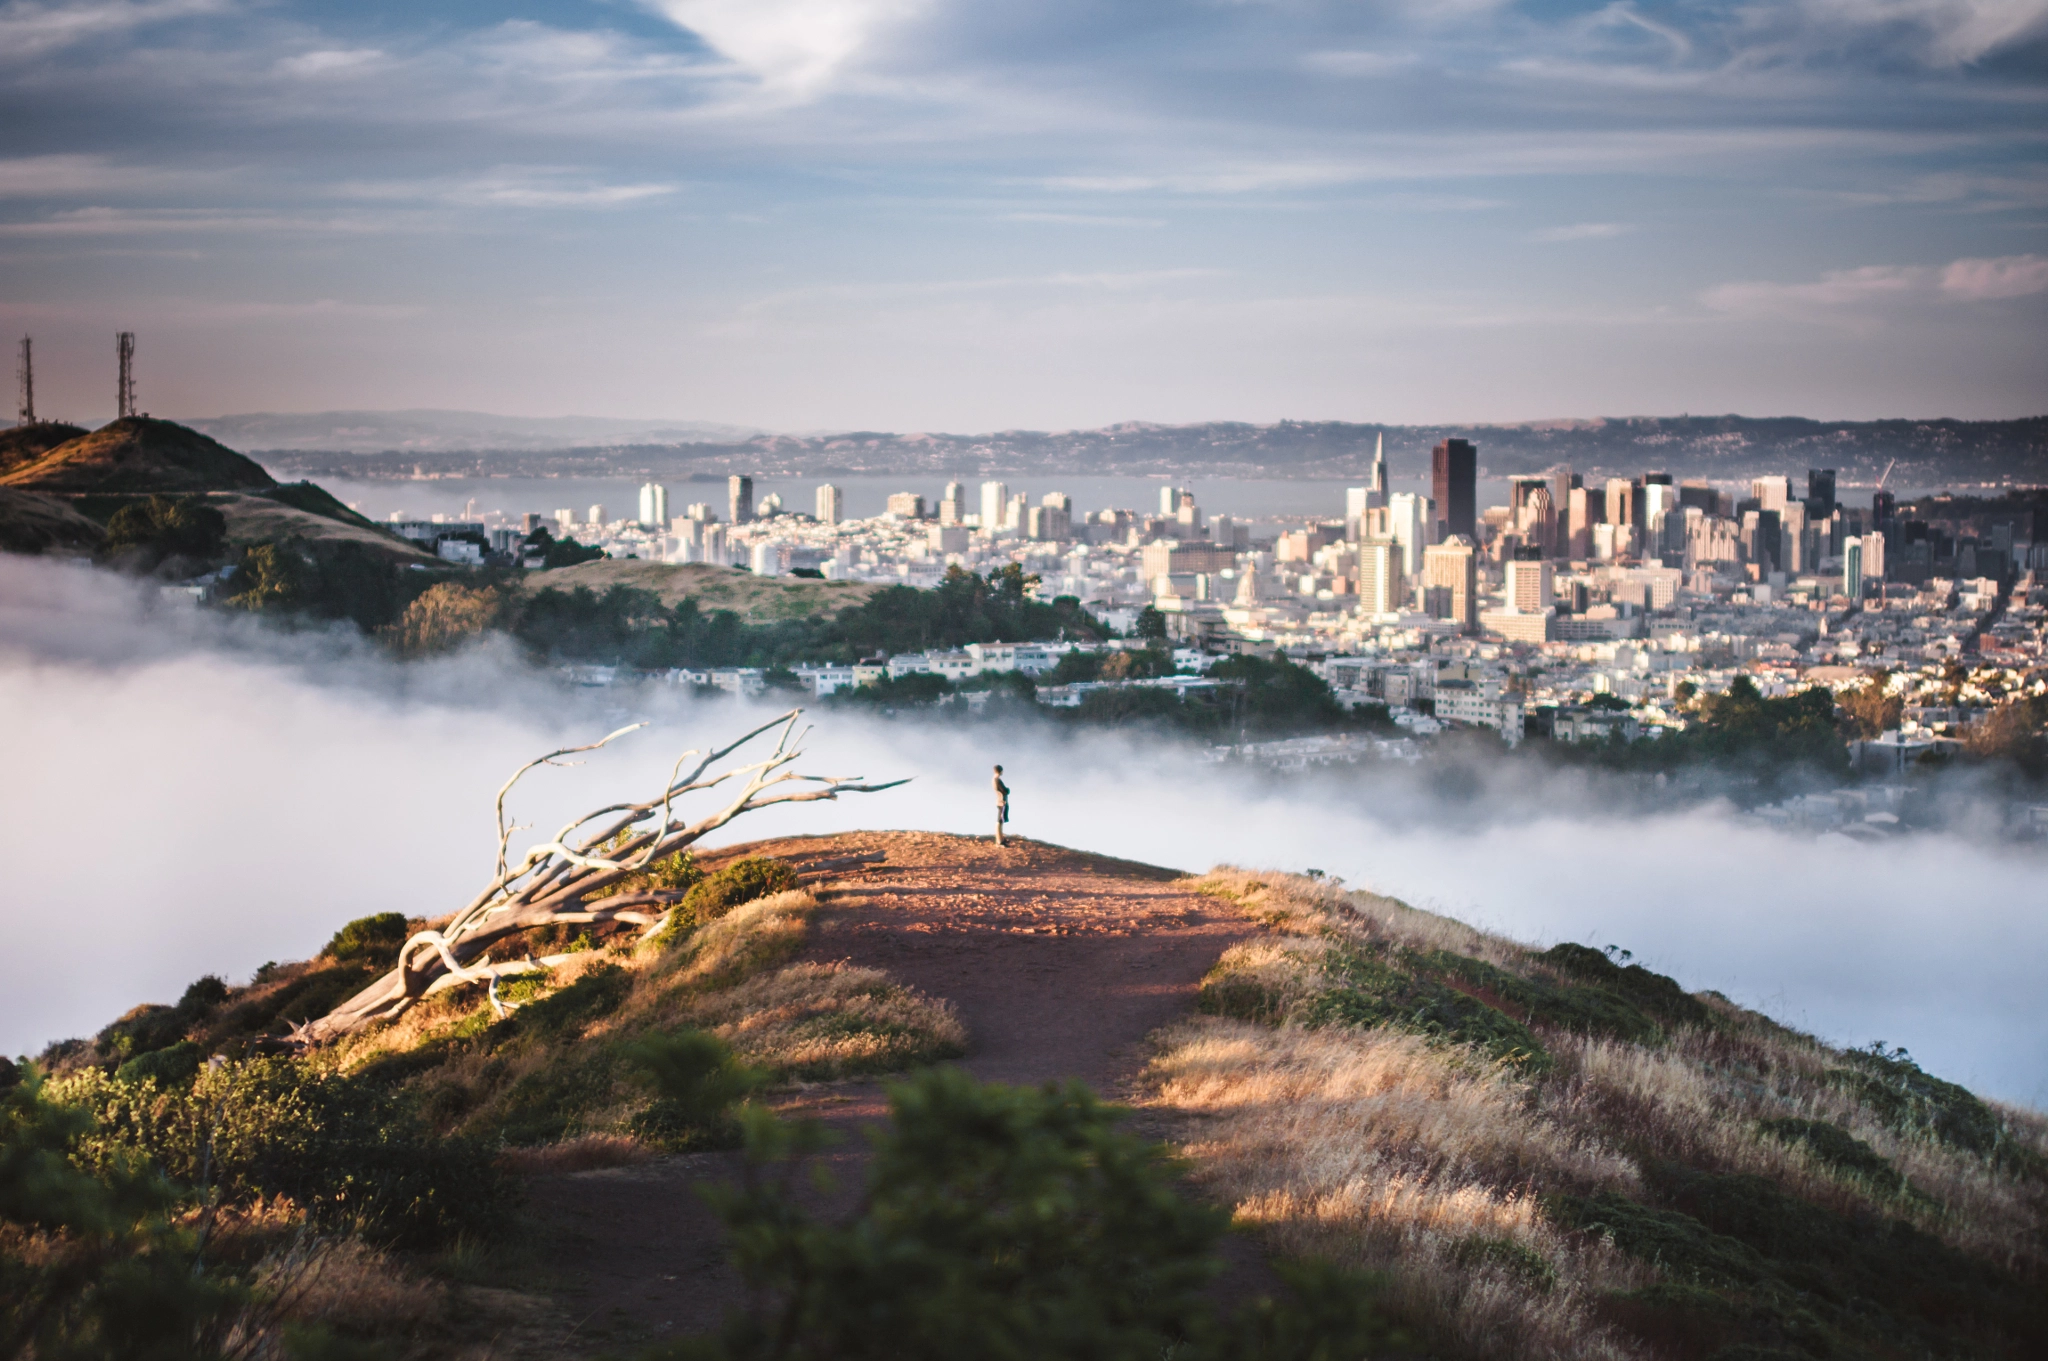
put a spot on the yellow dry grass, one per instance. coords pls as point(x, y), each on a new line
point(830, 1020)
point(1378, 1150)
point(1394, 1152)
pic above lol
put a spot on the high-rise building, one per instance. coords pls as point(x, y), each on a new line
point(953, 505)
point(995, 498)
point(1377, 483)
point(1531, 585)
point(1820, 493)
point(565, 521)
point(1771, 493)
point(906, 505)
point(1170, 498)
point(653, 505)
point(1618, 506)
point(1873, 556)
point(1408, 526)
point(1578, 527)
point(1014, 512)
point(1358, 503)
point(1454, 483)
point(1379, 584)
point(596, 516)
point(739, 498)
point(1450, 581)
point(831, 504)
point(1852, 568)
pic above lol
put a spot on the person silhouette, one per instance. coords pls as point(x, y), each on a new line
point(1002, 806)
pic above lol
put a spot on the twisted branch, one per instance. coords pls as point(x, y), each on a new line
point(555, 880)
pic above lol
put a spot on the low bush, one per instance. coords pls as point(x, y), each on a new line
point(1911, 1101)
point(344, 1150)
point(1371, 991)
point(1654, 993)
point(1838, 1150)
point(740, 882)
point(377, 936)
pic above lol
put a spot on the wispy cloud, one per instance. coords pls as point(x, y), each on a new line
point(1586, 231)
point(28, 29)
point(1840, 291)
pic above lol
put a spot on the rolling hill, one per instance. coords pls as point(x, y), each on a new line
point(139, 455)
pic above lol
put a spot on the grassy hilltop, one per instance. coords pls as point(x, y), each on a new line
point(1529, 1154)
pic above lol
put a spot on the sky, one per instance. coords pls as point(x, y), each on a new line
point(987, 214)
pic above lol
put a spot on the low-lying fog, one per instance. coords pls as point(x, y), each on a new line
point(189, 794)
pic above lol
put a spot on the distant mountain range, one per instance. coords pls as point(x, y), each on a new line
point(426, 443)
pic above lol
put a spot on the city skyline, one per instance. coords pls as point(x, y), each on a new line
point(805, 214)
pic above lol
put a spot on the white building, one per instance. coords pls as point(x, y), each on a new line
point(653, 505)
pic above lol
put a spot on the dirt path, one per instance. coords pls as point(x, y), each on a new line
point(1059, 963)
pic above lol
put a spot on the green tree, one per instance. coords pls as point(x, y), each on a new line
point(165, 527)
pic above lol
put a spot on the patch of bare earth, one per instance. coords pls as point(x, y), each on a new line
point(1060, 964)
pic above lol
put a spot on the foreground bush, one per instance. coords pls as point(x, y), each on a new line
point(1003, 1222)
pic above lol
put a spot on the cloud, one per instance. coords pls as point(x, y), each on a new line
point(797, 47)
point(2008, 276)
point(329, 60)
point(1081, 219)
point(1586, 231)
point(68, 175)
point(102, 221)
point(36, 30)
point(1946, 34)
point(1843, 290)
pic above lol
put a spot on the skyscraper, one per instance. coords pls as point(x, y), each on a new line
point(1454, 481)
point(1450, 581)
point(831, 504)
point(1379, 591)
point(995, 498)
point(1530, 585)
point(739, 496)
point(1408, 526)
point(654, 505)
point(1852, 568)
point(1820, 493)
point(953, 505)
point(1377, 483)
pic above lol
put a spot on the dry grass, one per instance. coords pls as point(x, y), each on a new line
point(832, 1020)
point(585, 1153)
point(1420, 1158)
point(746, 940)
point(1378, 1150)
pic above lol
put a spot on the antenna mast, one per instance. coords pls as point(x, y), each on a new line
point(26, 374)
point(124, 345)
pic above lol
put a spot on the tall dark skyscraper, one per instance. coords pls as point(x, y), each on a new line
point(1820, 493)
point(1454, 482)
point(739, 496)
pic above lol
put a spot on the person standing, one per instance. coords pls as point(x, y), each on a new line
point(1002, 806)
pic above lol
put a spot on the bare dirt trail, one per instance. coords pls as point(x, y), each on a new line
point(1058, 962)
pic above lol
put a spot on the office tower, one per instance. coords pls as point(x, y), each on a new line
point(1578, 528)
point(1661, 523)
point(1450, 581)
point(653, 505)
point(1408, 526)
point(1763, 540)
point(1454, 487)
point(1873, 556)
point(1771, 493)
point(1820, 493)
point(1792, 537)
point(1884, 511)
point(995, 498)
point(906, 505)
point(953, 505)
point(1562, 480)
point(1379, 576)
point(1532, 515)
point(530, 521)
point(1358, 504)
point(1376, 484)
point(1852, 568)
point(596, 517)
point(831, 504)
point(739, 498)
point(1531, 585)
point(1618, 506)
point(1014, 512)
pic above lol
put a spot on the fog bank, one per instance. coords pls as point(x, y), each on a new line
point(190, 794)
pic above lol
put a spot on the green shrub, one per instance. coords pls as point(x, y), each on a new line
point(1374, 992)
point(1654, 993)
point(1839, 1151)
point(1006, 1222)
point(342, 1149)
point(695, 1080)
point(164, 1067)
point(1915, 1102)
point(376, 936)
point(1577, 1007)
point(740, 882)
point(1481, 1250)
point(564, 1014)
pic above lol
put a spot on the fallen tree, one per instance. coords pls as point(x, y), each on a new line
point(575, 877)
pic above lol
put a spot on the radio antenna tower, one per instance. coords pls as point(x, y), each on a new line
point(25, 375)
point(124, 345)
